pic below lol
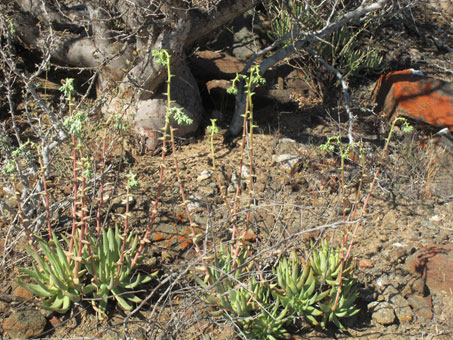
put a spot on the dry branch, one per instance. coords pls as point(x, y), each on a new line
point(288, 51)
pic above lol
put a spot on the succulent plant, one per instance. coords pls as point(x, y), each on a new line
point(326, 263)
point(263, 309)
point(346, 304)
point(243, 297)
point(107, 281)
point(297, 288)
point(223, 276)
point(54, 276)
point(268, 323)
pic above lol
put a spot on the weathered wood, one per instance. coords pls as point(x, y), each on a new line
point(115, 39)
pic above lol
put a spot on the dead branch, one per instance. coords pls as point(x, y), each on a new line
point(286, 52)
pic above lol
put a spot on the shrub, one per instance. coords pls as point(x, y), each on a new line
point(296, 290)
point(349, 49)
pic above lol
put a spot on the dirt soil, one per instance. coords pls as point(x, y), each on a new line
point(408, 219)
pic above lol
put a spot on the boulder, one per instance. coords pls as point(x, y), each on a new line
point(434, 263)
point(149, 118)
point(411, 94)
point(24, 324)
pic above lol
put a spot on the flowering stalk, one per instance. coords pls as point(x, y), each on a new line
point(101, 187)
point(406, 129)
point(163, 59)
point(131, 184)
point(46, 197)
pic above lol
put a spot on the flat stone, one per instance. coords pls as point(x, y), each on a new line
point(3, 307)
point(215, 65)
point(422, 306)
point(245, 172)
point(111, 335)
point(389, 292)
point(195, 202)
point(441, 185)
point(390, 219)
point(435, 218)
point(138, 334)
point(418, 287)
point(288, 162)
point(287, 145)
point(245, 41)
point(366, 263)
point(174, 236)
point(204, 175)
point(383, 281)
point(382, 313)
point(119, 204)
point(207, 190)
point(398, 254)
point(54, 321)
point(402, 308)
point(218, 88)
point(27, 323)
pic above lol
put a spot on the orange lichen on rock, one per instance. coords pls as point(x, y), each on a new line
point(410, 94)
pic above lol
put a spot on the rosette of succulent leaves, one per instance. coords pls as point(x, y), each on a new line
point(110, 276)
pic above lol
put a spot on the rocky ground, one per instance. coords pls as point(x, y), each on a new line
point(403, 256)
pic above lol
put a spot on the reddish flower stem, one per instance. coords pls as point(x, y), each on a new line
point(101, 189)
point(75, 189)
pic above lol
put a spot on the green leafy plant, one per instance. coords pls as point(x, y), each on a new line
point(268, 323)
point(96, 267)
point(19, 157)
point(296, 288)
point(75, 123)
point(163, 59)
point(54, 276)
point(224, 275)
point(242, 297)
point(109, 276)
point(331, 273)
point(350, 54)
point(264, 309)
point(12, 29)
point(332, 310)
point(333, 266)
point(348, 49)
point(309, 289)
point(249, 81)
point(325, 262)
point(68, 89)
point(284, 17)
point(96, 264)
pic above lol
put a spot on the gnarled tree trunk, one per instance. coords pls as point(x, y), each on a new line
point(115, 39)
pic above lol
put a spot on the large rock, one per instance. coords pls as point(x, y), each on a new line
point(422, 307)
point(402, 309)
point(435, 264)
point(147, 115)
point(409, 93)
point(150, 114)
point(24, 324)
